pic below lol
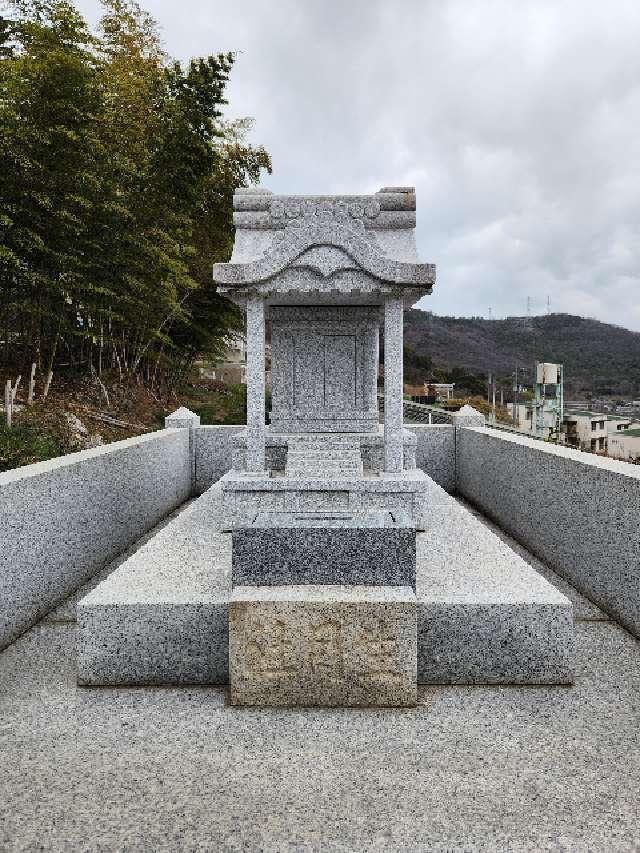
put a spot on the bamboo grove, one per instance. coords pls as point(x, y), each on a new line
point(117, 171)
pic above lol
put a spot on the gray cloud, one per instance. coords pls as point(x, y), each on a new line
point(517, 122)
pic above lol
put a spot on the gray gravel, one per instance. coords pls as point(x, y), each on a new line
point(178, 769)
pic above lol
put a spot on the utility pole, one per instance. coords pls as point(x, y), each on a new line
point(528, 306)
point(489, 388)
point(493, 402)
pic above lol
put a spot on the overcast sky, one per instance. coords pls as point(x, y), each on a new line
point(517, 122)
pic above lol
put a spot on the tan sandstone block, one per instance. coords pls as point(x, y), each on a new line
point(323, 645)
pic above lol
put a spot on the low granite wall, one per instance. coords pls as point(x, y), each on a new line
point(213, 454)
point(578, 512)
point(62, 520)
point(436, 452)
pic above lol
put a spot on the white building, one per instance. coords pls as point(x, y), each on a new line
point(625, 445)
point(525, 418)
point(586, 431)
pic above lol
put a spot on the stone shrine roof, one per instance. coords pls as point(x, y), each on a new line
point(351, 248)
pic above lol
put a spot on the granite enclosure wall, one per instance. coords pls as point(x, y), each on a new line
point(577, 512)
point(62, 520)
point(213, 450)
point(436, 453)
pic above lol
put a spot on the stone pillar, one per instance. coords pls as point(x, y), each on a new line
point(184, 418)
point(393, 331)
point(255, 383)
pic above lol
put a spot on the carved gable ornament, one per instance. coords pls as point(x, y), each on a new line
point(340, 244)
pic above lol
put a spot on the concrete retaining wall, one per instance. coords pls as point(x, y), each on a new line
point(436, 453)
point(62, 520)
point(579, 513)
point(213, 454)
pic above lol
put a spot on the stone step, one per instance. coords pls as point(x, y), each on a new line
point(323, 645)
point(324, 448)
point(327, 456)
point(327, 462)
point(321, 441)
point(319, 454)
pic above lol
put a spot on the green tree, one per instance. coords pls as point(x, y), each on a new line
point(49, 99)
point(118, 171)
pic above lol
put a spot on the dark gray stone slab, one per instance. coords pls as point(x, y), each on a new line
point(377, 549)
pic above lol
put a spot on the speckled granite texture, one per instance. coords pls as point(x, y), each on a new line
point(324, 368)
point(317, 548)
point(161, 617)
point(255, 458)
point(436, 453)
point(213, 448)
point(484, 616)
point(325, 236)
point(469, 769)
point(371, 451)
point(62, 520)
point(245, 496)
point(393, 383)
point(323, 267)
point(577, 512)
point(323, 645)
point(465, 575)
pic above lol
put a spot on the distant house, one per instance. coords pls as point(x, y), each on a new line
point(233, 368)
point(626, 444)
point(525, 417)
point(585, 430)
point(441, 391)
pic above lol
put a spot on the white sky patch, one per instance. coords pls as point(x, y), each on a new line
point(517, 123)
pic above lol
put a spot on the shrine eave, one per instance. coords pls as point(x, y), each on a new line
point(325, 249)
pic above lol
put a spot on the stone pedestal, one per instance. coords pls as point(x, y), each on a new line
point(325, 548)
point(323, 645)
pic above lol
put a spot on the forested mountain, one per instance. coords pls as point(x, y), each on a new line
point(599, 358)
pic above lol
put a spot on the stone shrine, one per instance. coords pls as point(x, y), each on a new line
point(323, 608)
point(326, 272)
point(320, 565)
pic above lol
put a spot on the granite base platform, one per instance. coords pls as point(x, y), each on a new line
point(483, 614)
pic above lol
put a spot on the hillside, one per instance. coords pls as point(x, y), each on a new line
point(599, 358)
